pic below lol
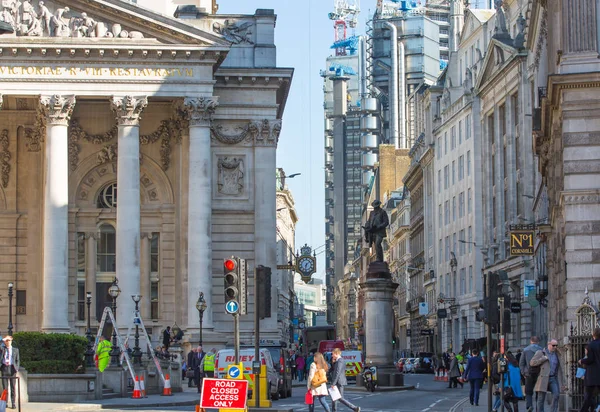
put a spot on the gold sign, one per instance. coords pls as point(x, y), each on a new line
point(521, 242)
point(72, 71)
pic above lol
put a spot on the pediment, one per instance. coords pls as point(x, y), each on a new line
point(498, 56)
point(97, 21)
point(471, 25)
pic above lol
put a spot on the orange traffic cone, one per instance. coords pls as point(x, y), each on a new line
point(167, 388)
point(136, 389)
point(143, 387)
point(3, 400)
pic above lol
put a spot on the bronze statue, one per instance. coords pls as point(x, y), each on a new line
point(375, 229)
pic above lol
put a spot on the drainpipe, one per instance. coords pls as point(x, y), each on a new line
point(402, 94)
point(394, 121)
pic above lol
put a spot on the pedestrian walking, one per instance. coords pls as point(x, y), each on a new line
point(474, 373)
point(454, 373)
point(551, 375)
point(198, 373)
point(512, 384)
point(292, 364)
point(300, 365)
point(317, 381)
point(591, 380)
point(208, 363)
point(530, 373)
point(10, 366)
point(190, 373)
point(338, 380)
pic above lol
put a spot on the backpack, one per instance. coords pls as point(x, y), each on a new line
point(535, 370)
point(495, 374)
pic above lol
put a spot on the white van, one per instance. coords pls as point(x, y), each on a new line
point(226, 357)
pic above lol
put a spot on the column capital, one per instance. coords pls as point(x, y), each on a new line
point(57, 109)
point(199, 110)
point(128, 109)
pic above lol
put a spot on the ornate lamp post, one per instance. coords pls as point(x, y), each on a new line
point(114, 293)
point(201, 306)
point(137, 353)
point(542, 290)
point(89, 353)
point(10, 295)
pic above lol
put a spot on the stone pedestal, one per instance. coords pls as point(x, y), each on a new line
point(379, 295)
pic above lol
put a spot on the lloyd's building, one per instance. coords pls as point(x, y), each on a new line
point(138, 146)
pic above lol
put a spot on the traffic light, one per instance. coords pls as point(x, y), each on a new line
point(263, 285)
point(480, 315)
point(235, 282)
point(506, 326)
point(492, 314)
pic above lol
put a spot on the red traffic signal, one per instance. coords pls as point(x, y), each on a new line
point(230, 264)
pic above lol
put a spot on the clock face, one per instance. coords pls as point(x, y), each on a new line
point(306, 264)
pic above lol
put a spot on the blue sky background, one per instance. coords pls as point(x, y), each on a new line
point(303, 36)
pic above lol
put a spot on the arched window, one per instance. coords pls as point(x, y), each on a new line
point(107, 247)
point(107, 198)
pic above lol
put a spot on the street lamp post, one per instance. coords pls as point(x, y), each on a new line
point(10, 295)
point(137, 353)
point(114, 293)
point(89, 353)
point(201, 306)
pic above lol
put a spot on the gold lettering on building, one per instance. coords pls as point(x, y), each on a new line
point(73, 71)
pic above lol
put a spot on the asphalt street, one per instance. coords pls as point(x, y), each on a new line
point(428, 396)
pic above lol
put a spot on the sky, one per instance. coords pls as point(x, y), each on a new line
point(303, 36)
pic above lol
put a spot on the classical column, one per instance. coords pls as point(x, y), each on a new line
point(199, 112)
point(128, 111)
point(264, 209)
point(145, 269)
point(56, 111)
point(90, 268)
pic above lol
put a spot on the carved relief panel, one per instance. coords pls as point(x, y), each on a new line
point(231, 176)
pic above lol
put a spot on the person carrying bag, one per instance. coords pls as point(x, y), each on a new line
point(317, 382)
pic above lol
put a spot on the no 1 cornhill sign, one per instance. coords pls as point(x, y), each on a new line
point(224, 393)
point(522, 240)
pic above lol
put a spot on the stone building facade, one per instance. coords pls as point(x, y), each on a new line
point(183, 121)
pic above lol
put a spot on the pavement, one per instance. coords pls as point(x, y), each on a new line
point(465, 406)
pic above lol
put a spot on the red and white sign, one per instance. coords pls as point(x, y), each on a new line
point(224, 393)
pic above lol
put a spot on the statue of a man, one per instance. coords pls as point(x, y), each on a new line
point(375, 228)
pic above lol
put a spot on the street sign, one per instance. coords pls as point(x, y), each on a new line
point(232, 307)
point(427, 332)
point(515, 307)
point(286, 267)
point(301, 325)
point(528, 288)
point(224, 393)
point(521, 242)
point(233, 371)
point(423, 308)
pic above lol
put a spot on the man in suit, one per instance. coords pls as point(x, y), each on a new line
point(198, 373)
point(338, 379)
point(10, 366)
point(592, 372)
point(190, 366)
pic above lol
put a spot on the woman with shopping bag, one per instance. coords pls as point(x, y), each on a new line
point(317, 383)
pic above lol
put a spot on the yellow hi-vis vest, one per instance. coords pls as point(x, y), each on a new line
point(209, 363)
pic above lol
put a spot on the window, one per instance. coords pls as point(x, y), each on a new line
point(447, 284)
point(461, 168)
point(469, 201)
point(106, 250)
point(107, 198)
point(446, 177)
point(463, 282)
point(470, 234)
point(453, 172)
point(454, 244)
point(80, 252)
point(440, 221)
point(469, 163)
point(445, 143)
point(454, 208)
point(439, 181)
point(440, 252)
point(472, 55)
point(439, 147)
point(447, 212)
point(21, 303)
point(468, 127)
point(460, 132)
point(81, 300)
point(154, 274)
point(453, 137)
point(447, 252)
point(461, 246)
point(470, 279)
point(461, 204)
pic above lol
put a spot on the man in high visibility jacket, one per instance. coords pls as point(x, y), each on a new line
point(208, 363)
point(103, 352)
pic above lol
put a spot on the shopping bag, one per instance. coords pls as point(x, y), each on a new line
point(308, 398)
point(580, 373)
point(335, 394)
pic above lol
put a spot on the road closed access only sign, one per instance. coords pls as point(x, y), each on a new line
point(224, 393)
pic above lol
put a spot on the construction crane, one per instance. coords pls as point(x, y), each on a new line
point(345, 14)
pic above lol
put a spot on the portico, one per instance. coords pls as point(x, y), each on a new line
point(90, 117)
